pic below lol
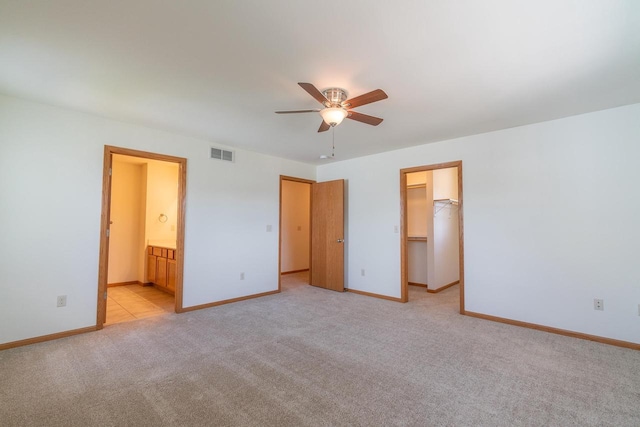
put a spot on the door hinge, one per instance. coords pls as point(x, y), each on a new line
point(104, 295)
point(110, 171)
point(108, 232)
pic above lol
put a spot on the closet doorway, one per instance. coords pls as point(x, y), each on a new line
point(142, 235)
point(432, 250)
point(295, 232)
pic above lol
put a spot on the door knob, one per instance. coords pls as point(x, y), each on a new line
point(340, 240)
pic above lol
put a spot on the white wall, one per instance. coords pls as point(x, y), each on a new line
point(141, 190)
point(161, 199)
point(296, 212)
point(417, 212)
point(142, 248)
point(539, 243)
point(446, 254)
point(539, 246)
point(417, 256)
point(50, 188)
point(417, 178)
point(445, 183)
point(124, 241)
point(417, 221)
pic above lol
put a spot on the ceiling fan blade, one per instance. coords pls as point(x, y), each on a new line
point(367, 98)
point(324, 127)
point(311, 90)
point(364, 118)
point(297, 111)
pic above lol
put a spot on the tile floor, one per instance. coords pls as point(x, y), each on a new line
point(131, 302)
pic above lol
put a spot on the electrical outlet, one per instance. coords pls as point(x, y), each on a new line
point(598, 304)
point(241, 276)
point(269, 228)
point(362, 272)
point(638, 309)
point(61, 301)
point(395, 229)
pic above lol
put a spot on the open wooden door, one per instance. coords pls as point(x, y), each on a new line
point(327, 235)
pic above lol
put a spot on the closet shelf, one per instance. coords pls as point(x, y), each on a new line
point(417, 238)
point(443, 203)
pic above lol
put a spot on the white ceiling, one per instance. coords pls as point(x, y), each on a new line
point(219, 69)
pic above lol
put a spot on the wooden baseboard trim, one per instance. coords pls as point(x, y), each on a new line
point(294, 271)
point(227, 301)
point(370, 294)
point(580, 335)
point(422, 285)
point(49, 337)
point(133, 282)
point(435, 291)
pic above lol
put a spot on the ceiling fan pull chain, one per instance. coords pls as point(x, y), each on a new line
point(333, 141)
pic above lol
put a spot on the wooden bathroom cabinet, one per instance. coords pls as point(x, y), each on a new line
point(161, 267)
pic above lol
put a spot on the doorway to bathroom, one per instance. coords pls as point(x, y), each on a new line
point(142, 235)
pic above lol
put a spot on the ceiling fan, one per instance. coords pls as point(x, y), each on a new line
point(337, 106)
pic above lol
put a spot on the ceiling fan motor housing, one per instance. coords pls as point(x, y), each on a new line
point(336, 96)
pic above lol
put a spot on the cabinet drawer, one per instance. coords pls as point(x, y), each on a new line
point(164, 252)
point(157, 251)
point(171, 254)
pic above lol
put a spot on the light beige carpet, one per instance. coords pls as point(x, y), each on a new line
point(310, 357)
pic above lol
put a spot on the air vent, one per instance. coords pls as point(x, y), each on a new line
point(220, 154)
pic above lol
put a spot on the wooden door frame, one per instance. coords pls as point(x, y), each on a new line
point(404, 267)
point(103, 262)
point(304, 181)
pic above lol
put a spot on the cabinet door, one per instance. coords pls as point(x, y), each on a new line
point(151, 268)
point(161, 272)
point(171, 274)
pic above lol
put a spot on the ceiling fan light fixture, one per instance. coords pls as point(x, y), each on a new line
point(337, 106)
point(333, 116)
